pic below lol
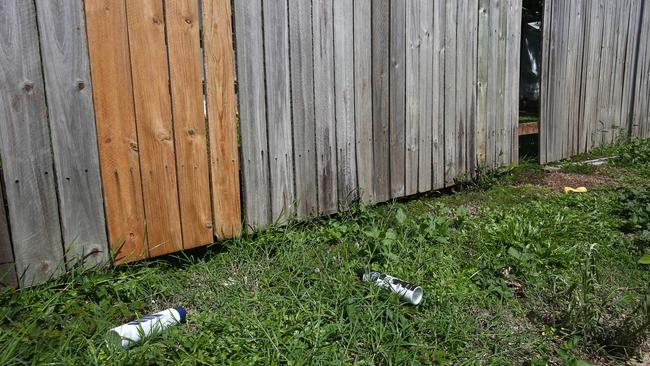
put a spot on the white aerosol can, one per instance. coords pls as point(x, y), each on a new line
point(409, 292)
point(130, 333)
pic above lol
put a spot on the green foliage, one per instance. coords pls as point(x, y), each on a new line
point(635, 152)
point(500, 266)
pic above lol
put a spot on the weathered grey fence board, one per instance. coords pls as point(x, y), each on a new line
point(363, 97)
point(589, 75)
point(482, 78)
point(397, 107)
point(438, 101)
point(450, 92)
point(72, 126)
point(413, 49)
point(278, 107)
point(345, 105)
point(461, 103)
point(326, 163)
point(381, 66)
point(252, 112)
point(24, 136)
point(302, 86)
point(8, 276)
point(425, 94)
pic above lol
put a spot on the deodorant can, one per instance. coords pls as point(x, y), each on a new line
point(409, 292)
point(130, 333)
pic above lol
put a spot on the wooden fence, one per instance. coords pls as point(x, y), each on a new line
point(596, 75)
point(341, 99)
point(118, 122)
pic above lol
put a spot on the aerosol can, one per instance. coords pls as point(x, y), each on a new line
point(409, 292)
point(130, 333)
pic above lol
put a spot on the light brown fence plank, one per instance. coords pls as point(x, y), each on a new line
point(185, 62)
point(326, 163)
point(116, 132)
point(363, 97)
point(302, 103)
point(146, 25)
point(345, 105)
point(252, 112)
point(72, 127)
point(222, 118)
point(25, 148)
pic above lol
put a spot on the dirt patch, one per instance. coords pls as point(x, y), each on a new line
point(559, 180)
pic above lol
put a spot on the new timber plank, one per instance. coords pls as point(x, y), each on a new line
point(278, 108)
point(363, 97)
point(185, 63)
point(302, 103)
point(116, 132)
point(146, 24)
point(252, 112)
point(413, 79)
point(344, 92)
point(72, 128)
point(381, 67)
point(326, 163)
point(222, 118)
point(25, 148)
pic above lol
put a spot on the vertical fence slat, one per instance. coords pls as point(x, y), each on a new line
point(182, 19)
point(25, 147)
point(222, 118)
point(363, 97)
point(154, 124)
point(425, 103)
point(326, 163)
point(397, 70)
point(483, 67)
point(472, 86)
point(451, 133)
point(462, 38)
point(411, 127)
point(252, 112)
point(345, 105)
point(438, 123)
point(8, 276)
point(278, 107)
point(116, 132)
point(72, 128)
point(302, 98)
point(381, 67)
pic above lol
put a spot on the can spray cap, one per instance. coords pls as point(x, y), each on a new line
point(360, 273)
point(182, 313)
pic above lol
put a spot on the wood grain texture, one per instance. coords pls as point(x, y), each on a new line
point(72, 128)
point(222, 118)
point(426, 90)
point(116, 132)
point(438, 100)
point(363, 97)
point(472, 86)
point(252, 112)
point(146, 24)
point(411, 126)
point(8, 276)
point(326, 163)
point(190, 135)
point(345, 103)
point(302, 103)
point(25, 148)
point(483, 69)
point(278, 108)
point(451, 122)
point(381, 98)
point(397, 97)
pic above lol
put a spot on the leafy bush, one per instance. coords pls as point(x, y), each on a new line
point(636, 152)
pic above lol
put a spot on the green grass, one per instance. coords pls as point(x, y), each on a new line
point(512, 273)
